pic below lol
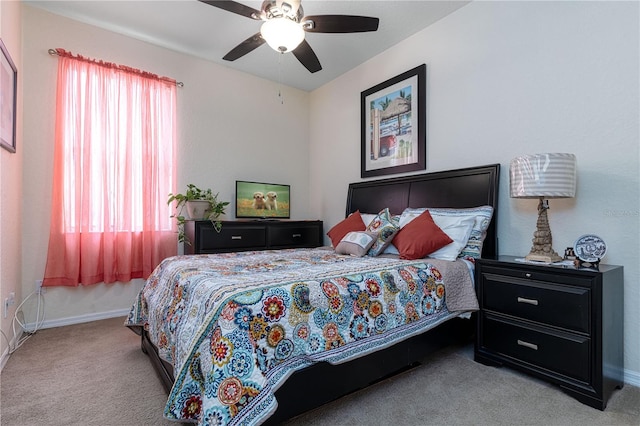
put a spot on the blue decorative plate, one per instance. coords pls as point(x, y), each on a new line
point(590, 248)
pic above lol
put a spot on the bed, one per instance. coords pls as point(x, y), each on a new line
point(259, 337)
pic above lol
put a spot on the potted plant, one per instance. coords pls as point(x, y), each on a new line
point(200, 204)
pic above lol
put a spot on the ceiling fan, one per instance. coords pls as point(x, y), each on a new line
point(284, 27)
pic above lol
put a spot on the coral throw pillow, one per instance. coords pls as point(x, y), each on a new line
point(352, 223)
point(420, 237)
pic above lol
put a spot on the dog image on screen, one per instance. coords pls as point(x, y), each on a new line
point(271, 202)
point(262, 201)
point(258, 201)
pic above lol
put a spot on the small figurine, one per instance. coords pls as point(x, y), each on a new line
point(569, 254)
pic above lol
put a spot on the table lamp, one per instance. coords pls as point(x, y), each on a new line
point(543, 176)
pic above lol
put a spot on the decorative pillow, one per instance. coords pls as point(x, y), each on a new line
point(353, 222)
point(386, 226)
point(482, 218)
point(356, 243)
point(420, 237)
point(395, 218)
point(391, 249)
point(367, 218)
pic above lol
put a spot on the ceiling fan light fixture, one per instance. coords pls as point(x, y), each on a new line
point(282, 34)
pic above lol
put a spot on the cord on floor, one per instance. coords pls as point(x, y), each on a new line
point(24, 334)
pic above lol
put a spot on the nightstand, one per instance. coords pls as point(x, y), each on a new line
point(561, 324)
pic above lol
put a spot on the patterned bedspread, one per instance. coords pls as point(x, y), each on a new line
point(236, 325)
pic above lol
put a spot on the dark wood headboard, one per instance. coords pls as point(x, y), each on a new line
point(461, 188)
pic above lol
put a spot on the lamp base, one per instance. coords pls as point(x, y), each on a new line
point(542, 250)
point(553, 257)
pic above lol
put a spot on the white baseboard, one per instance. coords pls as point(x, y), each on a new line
point(6, 354)
point(632, 378)
point(80, 319)
point(4, 359)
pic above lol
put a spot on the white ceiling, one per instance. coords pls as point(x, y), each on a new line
point(195, 28)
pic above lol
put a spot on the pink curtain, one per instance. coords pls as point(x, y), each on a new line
point(115, 143)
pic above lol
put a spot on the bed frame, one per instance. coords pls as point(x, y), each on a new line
point(469, 187)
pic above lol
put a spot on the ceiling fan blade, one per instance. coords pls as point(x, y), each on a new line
point(245, 47)
point(307, 57)
point(340, 24)
point(235, 7)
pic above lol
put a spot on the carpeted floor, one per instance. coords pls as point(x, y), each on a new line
point(95, 374)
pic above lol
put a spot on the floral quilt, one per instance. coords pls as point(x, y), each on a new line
point(236, 325)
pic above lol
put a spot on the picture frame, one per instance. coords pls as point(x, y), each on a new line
point(393, 125)
point(8, 94)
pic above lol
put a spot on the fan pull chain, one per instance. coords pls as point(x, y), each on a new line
point(280, 78)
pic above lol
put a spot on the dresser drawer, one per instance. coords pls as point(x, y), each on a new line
point(561, 353)
point(557, 305)
point(251, 235)
point(231, 238)
point(295, 235)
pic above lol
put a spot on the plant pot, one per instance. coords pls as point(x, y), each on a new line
point(197, 209)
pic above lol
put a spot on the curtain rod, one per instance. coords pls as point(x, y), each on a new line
point(53, 52)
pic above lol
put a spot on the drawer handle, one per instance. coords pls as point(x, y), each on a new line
point(236, 237)
point(297, 235)
point(529, 301)
point(527, 345)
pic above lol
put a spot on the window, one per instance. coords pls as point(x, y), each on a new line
point(114, 167)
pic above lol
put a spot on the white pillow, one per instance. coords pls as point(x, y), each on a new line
point(367, 218)
point(458, 228)
point(459, 231)
point(482, 219)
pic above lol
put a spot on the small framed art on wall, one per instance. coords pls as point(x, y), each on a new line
point(8, 92)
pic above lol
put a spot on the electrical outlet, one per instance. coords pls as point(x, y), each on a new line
point(39, 288)
point(9, 301)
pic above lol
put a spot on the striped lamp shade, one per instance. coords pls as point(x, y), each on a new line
point(543, 175)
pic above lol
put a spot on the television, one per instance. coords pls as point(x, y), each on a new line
point(259, 200)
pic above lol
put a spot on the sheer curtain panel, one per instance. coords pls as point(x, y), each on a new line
point(115, 142)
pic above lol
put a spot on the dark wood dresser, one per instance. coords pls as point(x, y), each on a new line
point(560, 324)
point(243, 235)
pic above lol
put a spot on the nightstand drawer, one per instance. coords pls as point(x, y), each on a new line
point(232, 238)
point(552, 304)
point(561, 353)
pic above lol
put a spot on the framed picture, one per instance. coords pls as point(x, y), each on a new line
point(8, 92)
point(393, 125)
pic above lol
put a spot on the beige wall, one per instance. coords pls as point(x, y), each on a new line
point(512, 78)
point(230, 127)
point(11, 183)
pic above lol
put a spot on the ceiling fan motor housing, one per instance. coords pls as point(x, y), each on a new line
point(290, 9)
